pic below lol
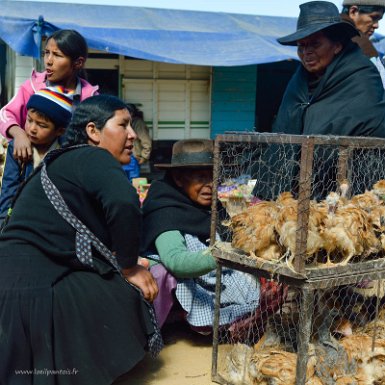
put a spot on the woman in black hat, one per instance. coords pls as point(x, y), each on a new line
point(176, 231)
point(337, 90)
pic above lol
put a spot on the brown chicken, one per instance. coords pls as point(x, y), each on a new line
point(253, 231)
point(379, 189)
point(347, 232)
point(279, 367)
point(287, 226)
point(371, 363)
point(374, 206)
point(373, 203)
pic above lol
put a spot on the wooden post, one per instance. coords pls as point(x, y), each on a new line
point(305, 179)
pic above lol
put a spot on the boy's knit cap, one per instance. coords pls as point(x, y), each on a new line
point(372, 3)
point(53, 103)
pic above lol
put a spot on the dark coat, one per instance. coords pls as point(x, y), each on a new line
point(13, 176)
point(349, 100)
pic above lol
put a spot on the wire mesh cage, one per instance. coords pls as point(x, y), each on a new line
point(305, 216)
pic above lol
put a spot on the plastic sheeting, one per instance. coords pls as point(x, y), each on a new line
point(164, 35)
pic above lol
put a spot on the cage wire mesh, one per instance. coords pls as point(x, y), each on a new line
point(305, 217)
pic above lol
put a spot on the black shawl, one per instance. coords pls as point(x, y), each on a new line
point(348, 101)
point(167, 208)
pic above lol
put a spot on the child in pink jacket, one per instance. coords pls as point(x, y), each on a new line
point(64, 57)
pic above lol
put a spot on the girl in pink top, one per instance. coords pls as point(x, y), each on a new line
point(65, 54)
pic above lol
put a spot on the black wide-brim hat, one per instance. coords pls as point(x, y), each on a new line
point(191, 153)
point(315, 16)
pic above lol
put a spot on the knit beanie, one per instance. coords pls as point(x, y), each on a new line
point(372, 3)
point(57, 106)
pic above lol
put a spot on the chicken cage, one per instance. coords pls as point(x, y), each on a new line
point(304, 216)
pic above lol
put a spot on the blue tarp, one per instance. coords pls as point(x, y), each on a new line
point(164, 35)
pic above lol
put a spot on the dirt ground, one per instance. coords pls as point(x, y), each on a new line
point(185, 360)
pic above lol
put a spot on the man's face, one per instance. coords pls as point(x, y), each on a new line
point(366, 23)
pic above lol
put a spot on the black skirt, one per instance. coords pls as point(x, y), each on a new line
point(80, 328)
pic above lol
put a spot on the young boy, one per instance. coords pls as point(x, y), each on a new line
point(49, 112)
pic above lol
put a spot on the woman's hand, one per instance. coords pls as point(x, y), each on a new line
point(140, 277)
point(22, 149)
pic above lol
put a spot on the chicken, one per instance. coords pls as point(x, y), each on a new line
point(347, 232)
point(359, 347)
point(287, 226)
point(374, 206)
point(253, 231)
point(371, 363)
point(379, 189)
point(359, 377)
point(236, 365)
point(366, 201)
point(333, 200)
point(278, 367)
point(373, 202)
point(286, 199)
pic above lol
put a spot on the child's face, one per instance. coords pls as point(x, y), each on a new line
point(60, 68)
point(41, 131)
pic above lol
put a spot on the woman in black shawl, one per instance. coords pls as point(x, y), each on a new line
point(176, 232)
point(337, 90)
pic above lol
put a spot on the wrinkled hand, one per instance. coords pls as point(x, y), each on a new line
point(22, 149)
point(140, 277)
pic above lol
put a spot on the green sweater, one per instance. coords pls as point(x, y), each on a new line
point(178, 260)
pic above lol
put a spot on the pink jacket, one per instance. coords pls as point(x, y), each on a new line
point(15, 112)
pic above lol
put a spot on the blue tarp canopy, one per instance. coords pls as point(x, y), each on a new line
point(164, 35)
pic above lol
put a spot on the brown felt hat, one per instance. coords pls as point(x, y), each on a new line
point(191, 153)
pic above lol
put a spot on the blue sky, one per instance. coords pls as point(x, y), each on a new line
point(255, 7)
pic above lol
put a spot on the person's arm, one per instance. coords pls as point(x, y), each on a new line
point(12, 121)
point(181, 262)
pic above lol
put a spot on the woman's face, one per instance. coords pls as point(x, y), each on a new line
point(59, 67)
point(316, 52)
point(197, 184)
point(117, 136)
